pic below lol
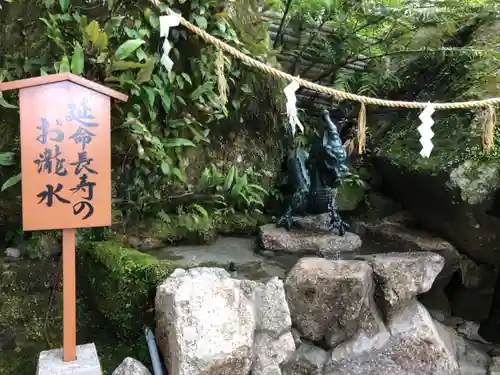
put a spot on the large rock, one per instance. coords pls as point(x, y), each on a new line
point(415, 348)
point(205, 323)
point(131, 366)
point(393, 232)
point(402, 276)
point(328, 245)
point(326, 295)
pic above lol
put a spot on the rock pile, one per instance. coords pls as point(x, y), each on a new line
point(348, 316)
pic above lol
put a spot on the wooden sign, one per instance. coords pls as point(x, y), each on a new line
point(65, 166)
point(65, 154)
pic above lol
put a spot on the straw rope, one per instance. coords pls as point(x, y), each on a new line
point(485, 103)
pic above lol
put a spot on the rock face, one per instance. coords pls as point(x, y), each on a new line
point(131, 366)
point(325, 295)
point(320, 243)
point(402, 276)
point(210, 323)
point(451, 204)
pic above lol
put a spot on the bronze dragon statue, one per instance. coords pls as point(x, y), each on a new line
point(315, 176)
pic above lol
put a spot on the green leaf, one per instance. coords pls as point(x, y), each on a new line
point(141, 55)
point(64, 5)
point(127, 48)
point(93, 30)
point(78, 60)
point(200, 90)
point(7, 158)
point(201, 22)
point(145, 73)
point(200, 209)
point(196, 133)
point(110, 4)
point(237, 189)
point(11, 182)
point(166, 101)
point(179, 142)
point(64, 65)
point(154, 20)
point(113, 24)
point(229, 178)
point(177, 173)
point(165, 168)
point(259, 188)
point(125, 65)
point(151, 95)
point(5, 104)
point(186, 78)
point(101, 42)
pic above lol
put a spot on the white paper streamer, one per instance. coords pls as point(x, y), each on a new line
point(291, 106)
point(425, 131)
point(166, 22)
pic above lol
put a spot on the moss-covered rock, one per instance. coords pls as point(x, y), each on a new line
point(122, 283)
point(189, 229)
point(183, 228)
point(241, 223)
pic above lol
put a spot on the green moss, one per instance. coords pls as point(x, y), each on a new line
point(240, 223)
point(183, 228)
point(123, 282)
point(349, 195)
point(199, 230)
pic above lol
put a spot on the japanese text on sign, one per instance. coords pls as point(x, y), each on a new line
point(51, 160)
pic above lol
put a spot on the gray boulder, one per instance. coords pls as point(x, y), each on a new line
point(326, 295)
point(298, 241)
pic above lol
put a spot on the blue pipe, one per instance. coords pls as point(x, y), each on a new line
point(153, 351)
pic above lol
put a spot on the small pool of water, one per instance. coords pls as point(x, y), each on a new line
point(244, 253)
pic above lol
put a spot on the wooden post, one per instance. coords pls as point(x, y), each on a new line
point(66, 167)
point(69, 295)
